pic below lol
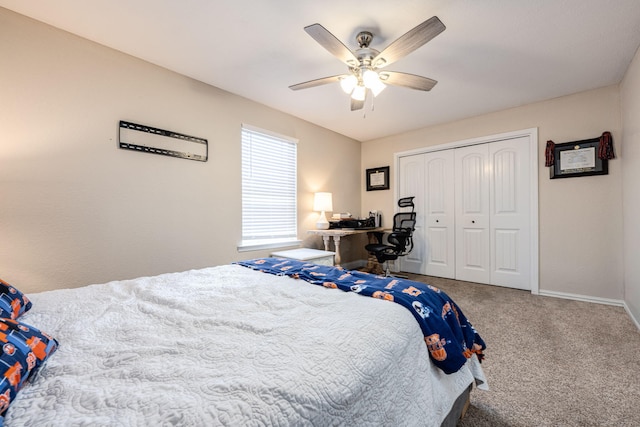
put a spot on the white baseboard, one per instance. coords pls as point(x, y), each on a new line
point(626, 308)
point(586, 298)
point(597, 300)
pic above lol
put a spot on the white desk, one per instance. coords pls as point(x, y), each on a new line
point(337, 233)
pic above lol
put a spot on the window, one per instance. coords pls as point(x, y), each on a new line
point(269, 189)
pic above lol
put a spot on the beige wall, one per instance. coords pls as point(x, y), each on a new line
point(630, 105)
point(580, 219)
point(75, 209)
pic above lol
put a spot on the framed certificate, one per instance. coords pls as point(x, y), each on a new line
point(578, 158)
point(378, 178)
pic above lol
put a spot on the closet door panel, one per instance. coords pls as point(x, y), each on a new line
point(510, 216)
point(440, 214)
point(473, 261)
point(412, 184)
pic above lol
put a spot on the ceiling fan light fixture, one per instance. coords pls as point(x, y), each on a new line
point(379, 87)
point(348, 83)
point(359, 93)
point(369, 78)
point(372, 81)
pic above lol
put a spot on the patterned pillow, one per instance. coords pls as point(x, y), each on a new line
point(13, 303)
point(23, 350)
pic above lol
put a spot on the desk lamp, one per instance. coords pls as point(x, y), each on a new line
point(322, 202)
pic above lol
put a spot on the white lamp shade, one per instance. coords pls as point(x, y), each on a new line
point(372, 81)
point(377, 87)
point(323, 202)
point(369, 78)
point(348, 83)
point(359, 93)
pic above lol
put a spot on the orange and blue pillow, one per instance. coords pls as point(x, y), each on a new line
point(23, 349)
point(13, 303)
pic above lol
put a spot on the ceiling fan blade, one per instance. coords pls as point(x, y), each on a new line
point(317, 82)
point(356, 105)
point(332, 44)
point(407, 80)
point(409, 42)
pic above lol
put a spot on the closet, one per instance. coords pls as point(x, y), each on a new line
point(477, 210)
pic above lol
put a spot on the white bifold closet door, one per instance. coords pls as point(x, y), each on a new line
point(510, 222)
point(411, 183)
point(473, 206)
point(493, 213)
point(429, 177)
point(472, 214)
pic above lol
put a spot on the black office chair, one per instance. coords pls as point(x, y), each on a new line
point(400, 240)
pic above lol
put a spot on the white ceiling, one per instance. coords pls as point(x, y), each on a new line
point(494, 54)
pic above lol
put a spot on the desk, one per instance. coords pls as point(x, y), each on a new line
point(337, 233)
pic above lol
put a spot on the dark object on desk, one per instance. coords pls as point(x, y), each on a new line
point(400, 239)
point(359, 224)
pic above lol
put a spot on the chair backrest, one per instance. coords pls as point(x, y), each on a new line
point(406, 202)
point(402, 235)
point(404, 221)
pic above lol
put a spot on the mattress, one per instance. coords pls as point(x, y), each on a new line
point(229, 346)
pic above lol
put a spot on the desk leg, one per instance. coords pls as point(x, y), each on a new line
point(326, 240)
point(336, 243)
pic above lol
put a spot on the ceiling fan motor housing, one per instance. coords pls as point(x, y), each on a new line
point(364, 38)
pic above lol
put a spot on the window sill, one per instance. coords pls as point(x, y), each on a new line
point(258, 245)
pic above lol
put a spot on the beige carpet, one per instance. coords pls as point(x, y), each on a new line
point(550, 361)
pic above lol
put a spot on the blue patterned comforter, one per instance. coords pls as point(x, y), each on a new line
point(449, 336)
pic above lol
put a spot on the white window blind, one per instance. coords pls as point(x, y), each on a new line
point(269, 188)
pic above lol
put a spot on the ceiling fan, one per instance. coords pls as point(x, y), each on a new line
point(365, 64)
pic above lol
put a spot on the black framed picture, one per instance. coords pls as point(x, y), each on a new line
point(378, 178)
point(578, 158)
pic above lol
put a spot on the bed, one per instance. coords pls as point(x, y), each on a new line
point(232, 345)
